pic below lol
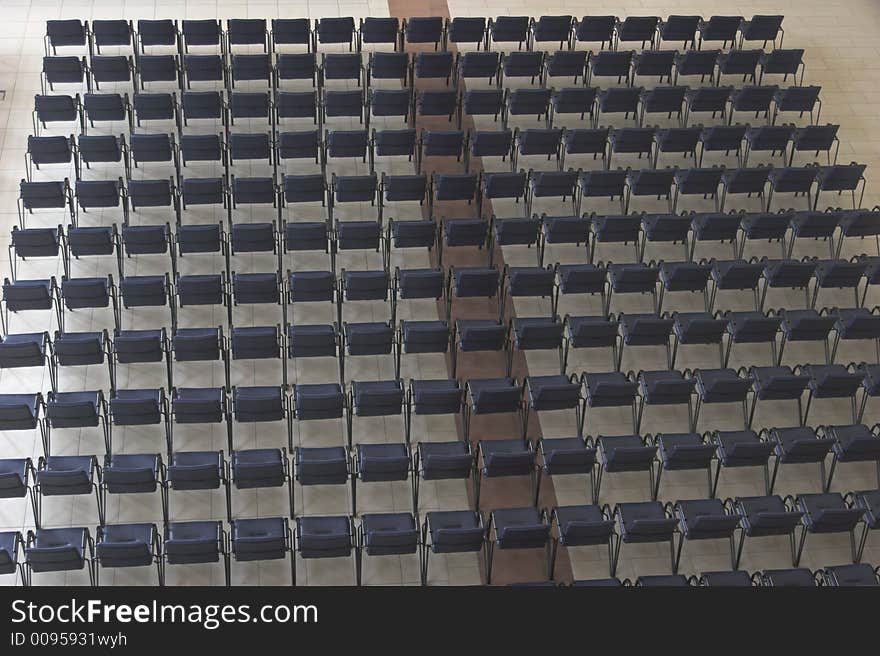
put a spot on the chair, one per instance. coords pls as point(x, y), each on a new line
point(719, 386)
point(563, 456)
point(624, 453)
point(574, 100)
point(66, 476)
point(56, 109)
point(483, 102)
point(692, 328)
point(58, 550)
point(595, 29)
point(157, 68)
point(432, 66)
point(319, 465)
point(579, 526)
point(478, 335)
point(712, 100)
point(295, 66)
point(705, 519)
point(128, 545)
point(63, 70)
point(637, 29)
point(832, 381)
point(765, 516)
point(11, 543)
point(25, 295)
point(719, 28)
point(857, 223)
point(685, 276)
point(335, 31)
point(785, 62)
point(416, 336)
point(262, 468)
point(664, 387)
point(786, 578)
point(775, 383)
point(870, 386)
point(509, 29)
point(380, 398)
point(736, 578)
point(751, 328)
point(134, 474)
point(725, 138)
point(324, 537)
point(451, 531)
point(749, 181)
point(65, 33)
point(246, 32)
point(528, 102)
point(379, 30)
point(826, 513)
point(517, 528)
point(141, 407)
point(636, 278)
point(619, 100)
point(50, 150)
point(380, 463)
point(742, 448)
point(566, 63)
point(644, 522)
point(27, 350)
point(869, 503)
point(654, 63)
point(797, 445)
point(155, 107)
point(262, 538)
point(697, 62)
point(433, 461)
point(291, 31)
point(849, 575)
point(162, 32)
point(44, 195)
point(386, 534)
point(76, 410)
point(740, 62)
point(602, 184)
point(194, 542)
point(851, 443)
point(261, 404)
point(585, 331)
point(15, 476)
point(205, 32)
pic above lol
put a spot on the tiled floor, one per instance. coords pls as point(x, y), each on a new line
point(841, 56)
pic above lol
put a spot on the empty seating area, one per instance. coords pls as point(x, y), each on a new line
point(437, 290)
